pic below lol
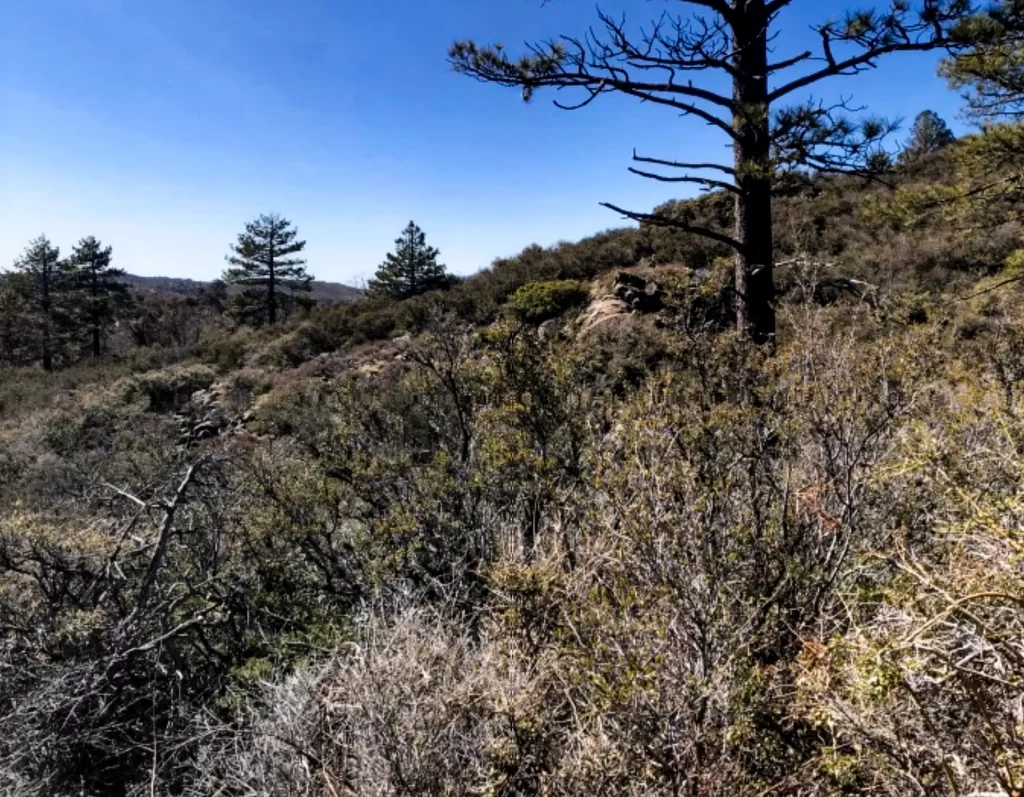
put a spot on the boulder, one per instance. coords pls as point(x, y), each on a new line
point(639, 294)
point(600, 311)
point(831, 290)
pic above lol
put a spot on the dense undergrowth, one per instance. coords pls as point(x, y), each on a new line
point(477, 543)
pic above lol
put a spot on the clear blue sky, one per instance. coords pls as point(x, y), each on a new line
point(161, 126)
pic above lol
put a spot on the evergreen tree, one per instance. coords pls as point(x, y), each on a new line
point(988, 167)
point(101, 289)
point(44, 282)
point(758, 98)
point(990, 70)
point(214, 296)
point(930, 133)
point(273, 280)
point(411, 269)
point(17, 329)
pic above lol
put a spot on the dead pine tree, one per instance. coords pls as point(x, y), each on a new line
point(773, 131)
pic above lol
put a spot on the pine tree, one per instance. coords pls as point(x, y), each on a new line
point(44, 282)
point(988, 168)
point(757, 97)
point(273, 280)
point(214, 296)
point(17, 328)
point(990, 71)
point(411, 269)
point(101, 290)
point(929, 133)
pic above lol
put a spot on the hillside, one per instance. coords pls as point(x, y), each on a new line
point(553, 530)
point(724, 501)
point(322, 293)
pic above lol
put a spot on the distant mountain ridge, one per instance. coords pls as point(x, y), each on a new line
point(323, 292)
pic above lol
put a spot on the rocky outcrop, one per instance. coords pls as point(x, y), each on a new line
point(639, 294)
point(206, 415)
point(832, 290)
point(630, 294)
point(805, 280)
point(599, 312)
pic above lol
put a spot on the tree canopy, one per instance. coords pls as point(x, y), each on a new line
point(986, 186)
point(100, 287)
point(930, 133)
point(273, 280)
point(990, 68)
point(43, 280)
point(411, 269)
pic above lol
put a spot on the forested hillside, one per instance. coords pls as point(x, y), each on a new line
point(562, 527)
point(323, 292)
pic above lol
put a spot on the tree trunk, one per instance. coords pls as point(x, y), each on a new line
point(755, 286)
point(47, 354)
point(94, 313)
point(272, 296)
point(47, 317)
point(271, 286)
point(410, 259)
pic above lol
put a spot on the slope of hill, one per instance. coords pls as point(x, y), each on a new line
point(553, 531)
point(323, 292)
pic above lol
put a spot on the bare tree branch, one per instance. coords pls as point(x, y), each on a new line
point(164, 535)
point(685, 178)
point(683, 165)
point(659, 220)
point(898, 31)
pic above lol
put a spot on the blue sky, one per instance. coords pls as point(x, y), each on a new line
point(161, 126)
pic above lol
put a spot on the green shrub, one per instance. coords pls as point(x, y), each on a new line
point(169, 389)
point(230, 352)
point(135, 359)
point(242, 388)
point(287, 351)
point(539, 301)
point(28, 388)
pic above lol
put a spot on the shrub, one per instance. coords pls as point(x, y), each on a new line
point(231, 351)
point(243, 387)
point(26, 389)
point(641, 561)
point(169, 389)
point(536, 302)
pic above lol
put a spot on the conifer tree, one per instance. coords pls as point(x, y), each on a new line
point(988, 167)
point(44, 282)
point(101, 289)
point(17, 328)
point(756, 97)
point(273, 280)
point(990, 69)
point(411, 269)
point(930, 133)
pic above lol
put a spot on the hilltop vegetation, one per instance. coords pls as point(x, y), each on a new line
point(563, 527)
point(320, 292)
